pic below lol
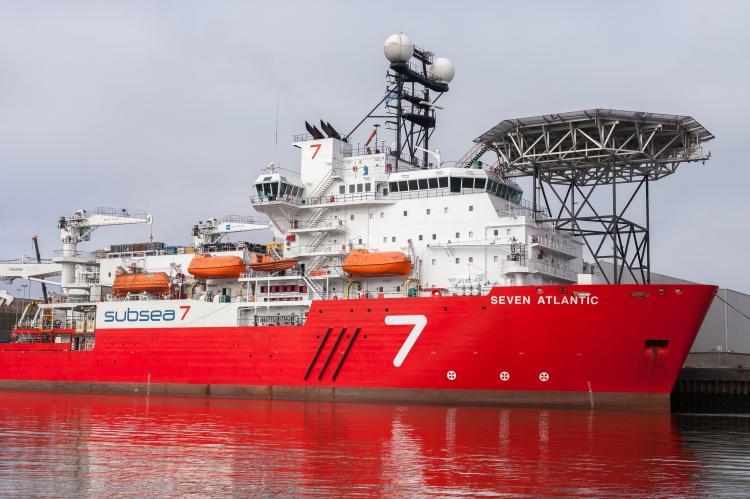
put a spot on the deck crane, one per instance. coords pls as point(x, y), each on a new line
point(77, 228)
point(213, 230)
point(73, 229)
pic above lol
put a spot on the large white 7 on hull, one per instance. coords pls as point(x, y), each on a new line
point(418, 321)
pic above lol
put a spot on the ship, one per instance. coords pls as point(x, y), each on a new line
point(398, 277)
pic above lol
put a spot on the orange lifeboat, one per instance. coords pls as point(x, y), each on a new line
point(263, 263)
point(153, 282)
point(362, 263)
point(204, 266)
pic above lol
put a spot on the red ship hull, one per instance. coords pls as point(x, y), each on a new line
point(612, 346)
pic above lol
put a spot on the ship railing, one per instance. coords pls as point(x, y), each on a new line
point(330, 249)
point(362, 150)
point(325, 223)
point(84, 255)
point(553, 243)
point(552, 269)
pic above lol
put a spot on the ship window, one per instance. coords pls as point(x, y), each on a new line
point(368, 187)
point(259, 188)
point(467, 183)
point(266, 179)
point(471, 259)
point(479, 183)
point(458, 235)
point(393, 239)
point(420, 237)
point(371, 216)
point(423, 183)
point(359, 187)
point(385, 192)
point(360, 240)
point(393, 186)
point(275, 188)
point(433, 183)
point(434, 236)
point(471, 234)
point(471, 208)
point(445, 210)
point(455, 184)
point(296, 191)
point(385, 239)
point(403, 186)
point(352, 187)
point(443, 181)
point(342, 189)
point(406, 213)
point(428, 211)
point(507, 231)
point(434, 261)
point(351, 217)
point(496, 232)
point(494, 258)
point(398, 288)
point(458, 260)
point(413, 185)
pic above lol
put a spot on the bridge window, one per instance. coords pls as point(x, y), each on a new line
point(479, 183)
point(368, 186)
point(403, 186)
point(443, 182)
point(423, 183)
point(432, 182)
point(393, 186)
point(342, 189)
point(455, 184)
point(467, 183)
point(413, 186)
point(352, 187)
point(359, 187)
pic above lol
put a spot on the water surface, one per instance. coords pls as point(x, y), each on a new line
point(93, 445)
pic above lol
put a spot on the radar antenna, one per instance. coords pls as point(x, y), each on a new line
point(409, 106)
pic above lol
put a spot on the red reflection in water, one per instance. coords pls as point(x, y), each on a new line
point(59, 444)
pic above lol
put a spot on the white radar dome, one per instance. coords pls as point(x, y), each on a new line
point(398, 48)
point(441, 70)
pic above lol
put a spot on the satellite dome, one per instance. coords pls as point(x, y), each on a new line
point(441, 70)
point(398, 48)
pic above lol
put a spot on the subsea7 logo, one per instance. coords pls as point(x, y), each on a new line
point(185, 309)
point(317, 148)
point(418, 321)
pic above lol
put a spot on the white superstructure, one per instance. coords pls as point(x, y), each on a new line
point(470, 230)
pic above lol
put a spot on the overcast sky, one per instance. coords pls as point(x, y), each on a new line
point(170, 106)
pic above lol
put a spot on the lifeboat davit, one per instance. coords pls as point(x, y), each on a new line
point(153, 282)
point(362, 263)
point(206, 266)
point(263, 263)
